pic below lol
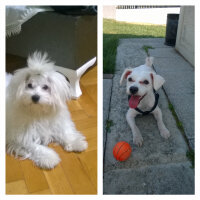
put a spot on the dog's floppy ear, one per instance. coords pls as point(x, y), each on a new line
point(125, 74)
point(18, 82)
point(157, 81)
point(60, 88)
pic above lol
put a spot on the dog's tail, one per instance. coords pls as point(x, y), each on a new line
point(149, 61)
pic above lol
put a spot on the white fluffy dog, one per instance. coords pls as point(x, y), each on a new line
point(37, 113)
point(142, 83)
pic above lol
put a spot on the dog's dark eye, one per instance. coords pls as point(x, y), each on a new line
point(45, 87)
point(130, 79)
point(146, 82)
point(30, 85)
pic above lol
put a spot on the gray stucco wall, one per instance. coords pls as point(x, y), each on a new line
point(185, 34)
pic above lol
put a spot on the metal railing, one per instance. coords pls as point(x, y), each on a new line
point(144, 7)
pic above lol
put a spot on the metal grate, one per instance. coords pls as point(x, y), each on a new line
point(144, 7)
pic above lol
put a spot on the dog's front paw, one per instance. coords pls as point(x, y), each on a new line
point(47, 160)
point(138, 140)
point(165, 133)
point(79, 145)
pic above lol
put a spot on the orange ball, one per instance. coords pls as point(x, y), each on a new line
point(122, 151)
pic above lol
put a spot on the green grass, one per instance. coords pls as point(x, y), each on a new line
point(178, 122)
point(190, 152)
point(109, 123)
point(146, 49)
point(190, 155)
point(113, 31)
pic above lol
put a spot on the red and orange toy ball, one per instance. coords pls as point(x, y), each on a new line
point(122, 151)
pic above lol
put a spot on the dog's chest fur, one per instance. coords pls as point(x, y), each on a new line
point(147, 102)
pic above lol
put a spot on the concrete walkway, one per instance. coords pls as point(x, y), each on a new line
point(160, 166)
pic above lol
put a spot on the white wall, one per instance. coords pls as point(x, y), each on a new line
point(109, 12)
point(185, 34)
point(146, 15)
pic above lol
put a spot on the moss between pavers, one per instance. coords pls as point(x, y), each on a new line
point(109, 123)
point(146, 49)
point(178, 122)
point(190, 152)
point(190, 155)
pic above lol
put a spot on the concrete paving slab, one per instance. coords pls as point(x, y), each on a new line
point(163, 52)
point(179, 86)
point(175, 64)
point(175, 83)
point(166, 155)
point(155, 149)
point(174, 178)
point(191, 143)
point(154, 42)
point(184, 111)
point(107, 76)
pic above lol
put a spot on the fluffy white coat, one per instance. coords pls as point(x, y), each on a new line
point(37, 114)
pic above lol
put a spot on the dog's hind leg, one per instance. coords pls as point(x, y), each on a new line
point(137, 137)
point(164, 132)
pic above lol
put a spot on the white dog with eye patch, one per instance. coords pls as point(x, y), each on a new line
point(142, 84)
point(37, 114)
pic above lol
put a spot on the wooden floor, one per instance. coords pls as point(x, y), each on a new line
point(77, 172)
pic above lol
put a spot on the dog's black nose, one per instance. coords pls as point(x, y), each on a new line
point(133, 90)
point(35, 98)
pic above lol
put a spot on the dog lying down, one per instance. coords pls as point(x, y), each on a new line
point(142, 84)
point(37, 114)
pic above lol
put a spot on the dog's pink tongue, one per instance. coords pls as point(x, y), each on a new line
point(134, 101)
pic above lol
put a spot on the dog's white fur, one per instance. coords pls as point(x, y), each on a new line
point(138, 75)
point(31, 126)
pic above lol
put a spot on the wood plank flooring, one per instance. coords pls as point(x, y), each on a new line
point(77, 172)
